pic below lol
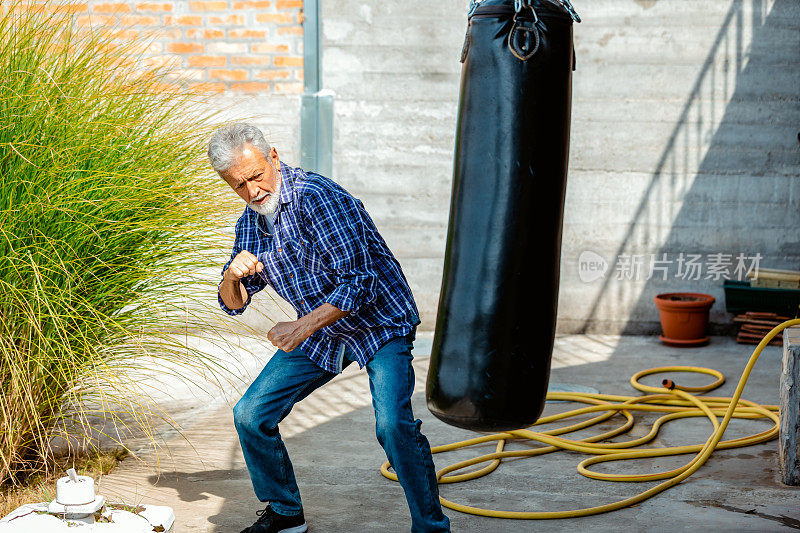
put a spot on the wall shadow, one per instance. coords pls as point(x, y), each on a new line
point(726, 182)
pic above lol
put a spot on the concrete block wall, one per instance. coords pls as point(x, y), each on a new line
point(684, 141)
point(394, 67)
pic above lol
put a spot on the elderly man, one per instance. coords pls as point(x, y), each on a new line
point(315, 244)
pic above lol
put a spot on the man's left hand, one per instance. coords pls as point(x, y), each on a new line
point(288, 335)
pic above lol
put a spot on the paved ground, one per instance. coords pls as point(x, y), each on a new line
point(330, 437)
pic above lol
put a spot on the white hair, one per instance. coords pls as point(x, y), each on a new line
point(228, 142)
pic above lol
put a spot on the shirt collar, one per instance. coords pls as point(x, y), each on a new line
point(287, 185)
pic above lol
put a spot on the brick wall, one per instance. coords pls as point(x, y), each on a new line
point(217, 46)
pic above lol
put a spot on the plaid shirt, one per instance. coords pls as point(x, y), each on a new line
point(325, 248)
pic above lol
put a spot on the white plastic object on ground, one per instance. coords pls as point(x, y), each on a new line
point(73, 489)
point(34, 518)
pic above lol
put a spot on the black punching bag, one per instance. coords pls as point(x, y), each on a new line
point(490, 361)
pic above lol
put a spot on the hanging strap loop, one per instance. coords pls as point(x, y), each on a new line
point(523, 39)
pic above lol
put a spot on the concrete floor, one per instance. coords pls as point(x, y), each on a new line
point(331, 440)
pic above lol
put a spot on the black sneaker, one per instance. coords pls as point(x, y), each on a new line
point(271, 522)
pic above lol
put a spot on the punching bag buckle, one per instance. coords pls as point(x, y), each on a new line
point(523, 31)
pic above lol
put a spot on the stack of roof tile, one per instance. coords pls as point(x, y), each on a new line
point(754, 325)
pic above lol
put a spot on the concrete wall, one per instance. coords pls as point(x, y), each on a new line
point(394, 67)
point(684, 141)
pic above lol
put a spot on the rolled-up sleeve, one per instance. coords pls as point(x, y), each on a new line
point(252, 284)
point(337, 231)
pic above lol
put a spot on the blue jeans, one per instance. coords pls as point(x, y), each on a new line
point(289, 377)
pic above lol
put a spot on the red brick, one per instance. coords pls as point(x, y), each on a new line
point(206, 87)
point(272, 74)
point(208, 6)
point(188, 74)
point(130, 35)
point(210, 33)
point(290, 30)
point(153, 7)
point(144, 34)
point(288, 61)
point(230, 20)
point(250, 61)
point(213, 33)
point(163, 60)
point(162, 32)
point(95, 20)
point(183, 20)
point(289, 4)
point(266, 48)
point(251, 87)
point(252, 4)
point(247, 34)
point(111, 8)
point(81, 7)
point(123, 64)
point(206, 61)
point(227, 75)
point(185, 48)
point(149, 48)
point(274, 18)
point(288, 87)
point(139, 20)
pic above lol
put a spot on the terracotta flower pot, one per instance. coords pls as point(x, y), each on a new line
point(684, 317)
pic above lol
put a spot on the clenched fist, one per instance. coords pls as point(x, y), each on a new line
point(243, 265)
point(288, 335)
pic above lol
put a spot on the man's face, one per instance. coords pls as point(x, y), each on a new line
point(254, 177)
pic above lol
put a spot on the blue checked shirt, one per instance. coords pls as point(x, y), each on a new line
point(324, 247)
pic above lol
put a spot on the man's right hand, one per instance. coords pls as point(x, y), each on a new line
point(243, 265)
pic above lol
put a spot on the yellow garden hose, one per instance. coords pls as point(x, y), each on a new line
point(675, 401)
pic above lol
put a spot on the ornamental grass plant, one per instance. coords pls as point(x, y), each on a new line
point(107, 216)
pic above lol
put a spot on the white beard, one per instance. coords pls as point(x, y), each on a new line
point(271, 205)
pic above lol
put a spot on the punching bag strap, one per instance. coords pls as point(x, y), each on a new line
point(523, 40)
point(571, 10)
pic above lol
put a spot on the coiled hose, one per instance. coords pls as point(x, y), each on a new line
point(673, 400)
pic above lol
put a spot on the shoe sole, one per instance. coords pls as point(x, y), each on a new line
point(296, 529)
